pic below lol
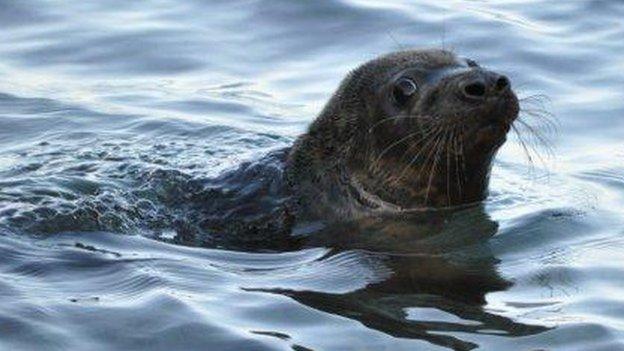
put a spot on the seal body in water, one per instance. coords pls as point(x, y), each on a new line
point(407, 131)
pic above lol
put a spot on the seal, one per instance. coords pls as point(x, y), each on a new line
point(410, 130)
point(406, 132)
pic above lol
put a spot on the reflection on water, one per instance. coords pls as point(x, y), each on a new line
point(116, 117)
point(437, 262)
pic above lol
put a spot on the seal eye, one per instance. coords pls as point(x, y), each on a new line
point(403, 90)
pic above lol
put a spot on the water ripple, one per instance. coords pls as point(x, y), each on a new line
point(115, 115)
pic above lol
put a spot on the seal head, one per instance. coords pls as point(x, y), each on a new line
point(410, 130)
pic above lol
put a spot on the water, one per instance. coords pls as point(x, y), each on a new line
point(112, 112)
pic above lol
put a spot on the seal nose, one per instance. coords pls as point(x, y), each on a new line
point(502, 84)
point(484, 84)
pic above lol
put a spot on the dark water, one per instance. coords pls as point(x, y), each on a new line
point(112, 113)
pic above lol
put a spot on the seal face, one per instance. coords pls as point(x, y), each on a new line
point(409, 130)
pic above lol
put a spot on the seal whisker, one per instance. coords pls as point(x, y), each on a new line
point(535, 98)
point(432, 138)
point(458, 179)
point(539, 113)
point(435, 161)
point(396, 143)
point(448, 165)
point(535, 127)
point(426, 133)
point(536, 143)
point(539, 137)
point(543, 119)
point(393, 118)
point(523, 144)
point(535, 106)
point(432, 152)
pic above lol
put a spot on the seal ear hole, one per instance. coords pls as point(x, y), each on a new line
point(403, 90)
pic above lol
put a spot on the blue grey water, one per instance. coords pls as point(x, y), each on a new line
point(112, 111)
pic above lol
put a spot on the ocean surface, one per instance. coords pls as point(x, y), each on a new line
point(112, 113)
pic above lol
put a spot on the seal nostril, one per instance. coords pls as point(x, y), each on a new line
point(502, 83)
point(475, 90)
